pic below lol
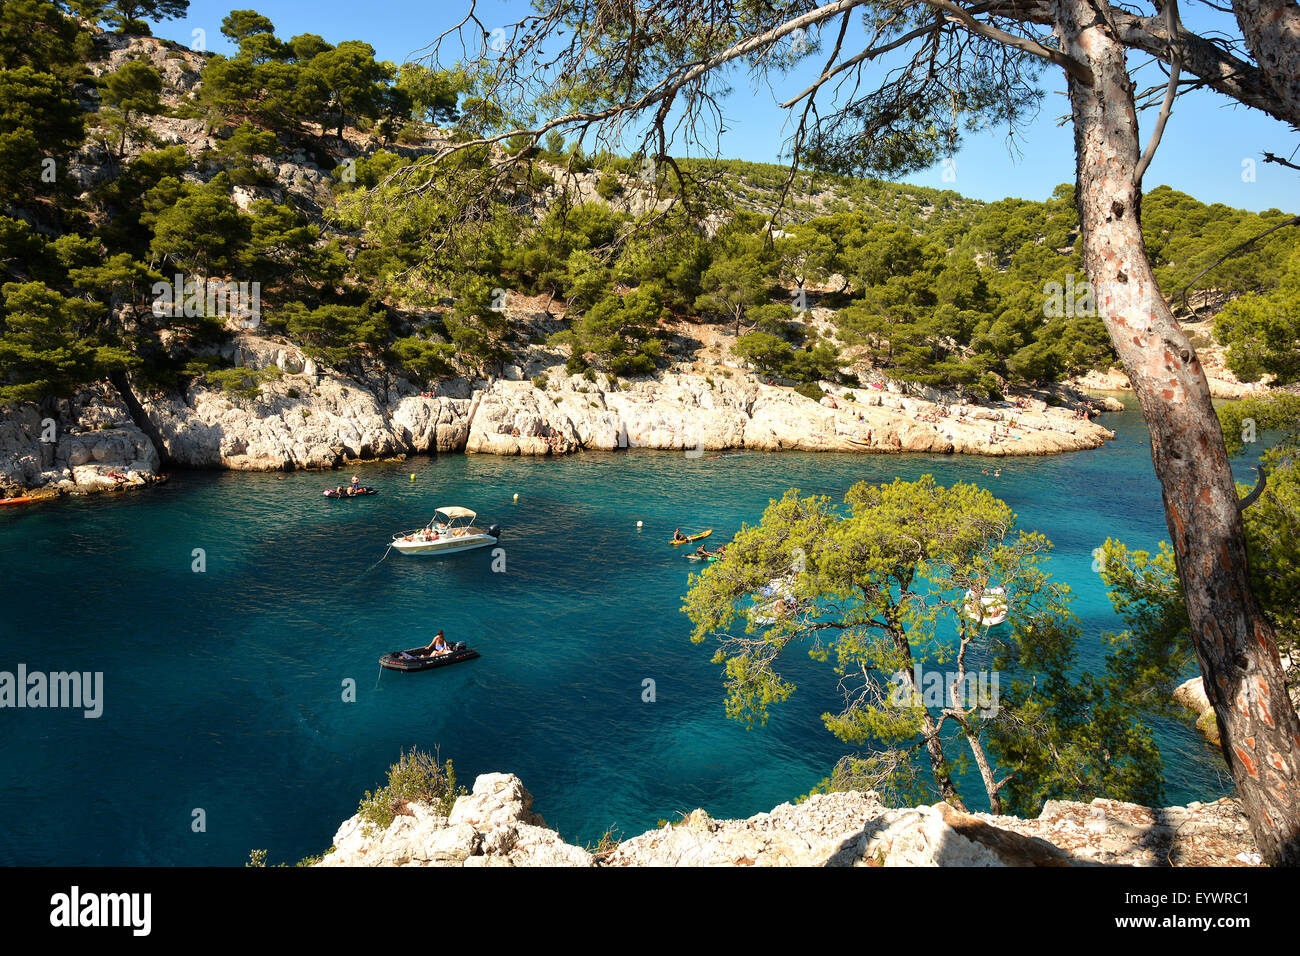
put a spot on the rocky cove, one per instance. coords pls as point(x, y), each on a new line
point(113, 435)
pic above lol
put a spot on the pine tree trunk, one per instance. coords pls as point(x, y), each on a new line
point(1234, 643)
point(929, 726)
point(956, 708)
point(982, 762)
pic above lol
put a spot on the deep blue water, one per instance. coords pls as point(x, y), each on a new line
point(223, 689)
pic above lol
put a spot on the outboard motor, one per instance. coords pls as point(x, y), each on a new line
point(494, 531)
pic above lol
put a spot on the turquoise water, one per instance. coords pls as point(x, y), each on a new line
point(224, 689)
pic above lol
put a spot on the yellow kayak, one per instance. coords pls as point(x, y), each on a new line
point(694, 537)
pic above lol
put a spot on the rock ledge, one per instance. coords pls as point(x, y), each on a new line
point(495, 826)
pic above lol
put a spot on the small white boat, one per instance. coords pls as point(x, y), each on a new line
point(452, 529)
point(993, 607)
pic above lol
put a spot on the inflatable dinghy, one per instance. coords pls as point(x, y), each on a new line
point(414, 660)
point(360, 493)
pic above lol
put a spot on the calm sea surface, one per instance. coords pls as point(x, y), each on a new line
point(223, 690)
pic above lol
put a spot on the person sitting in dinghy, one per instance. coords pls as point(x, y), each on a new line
point(437, 646)
point(356, 485)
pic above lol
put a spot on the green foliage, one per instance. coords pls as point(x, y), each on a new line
point(118, 279)
point(1273, 520)
point(284, 85)
point(740, 274)
point(672, 253)
point(20, 247)
point(1184, 236)
point(242, 383)
point(50, 344)
point(423, 358)
point(877, 591)
point(129, 92)
point(477, 324)
point(239, 25)
point(238, 154)
point(335, 334)
point(618, 330)
point(257, 859)
point(197, 229)
point(286, 251)
point(351, 80)
point(936, 289)
point(39, 118)
point(810, 390)
point(1273, 542)
point(417, 777)
point(37, 34)
point(605, 847)
point(1155, 649)
point(1262, 330)
point(129, 15)
point(433, 94)
point(765, 351)
point(608, 186)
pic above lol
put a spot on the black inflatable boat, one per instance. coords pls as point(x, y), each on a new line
point(360, 493)
point(412, 660)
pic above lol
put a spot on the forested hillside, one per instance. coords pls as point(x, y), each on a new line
point(129, 164)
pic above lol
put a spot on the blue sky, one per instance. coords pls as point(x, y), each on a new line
point(1205, 143)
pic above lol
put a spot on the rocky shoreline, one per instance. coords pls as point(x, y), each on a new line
point(495, 826)
point(109, 437)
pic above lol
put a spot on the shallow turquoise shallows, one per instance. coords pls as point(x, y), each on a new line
point(224, 690)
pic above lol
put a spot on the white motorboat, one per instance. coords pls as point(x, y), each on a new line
point(993, 607)
point(452, 529)
point(778, 600)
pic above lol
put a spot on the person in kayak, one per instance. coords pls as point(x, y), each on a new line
point(678, 536)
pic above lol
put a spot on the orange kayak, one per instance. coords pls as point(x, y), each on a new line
point(694, 537)
point(18, 501)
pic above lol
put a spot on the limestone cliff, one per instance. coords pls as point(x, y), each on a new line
point(309, 417)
